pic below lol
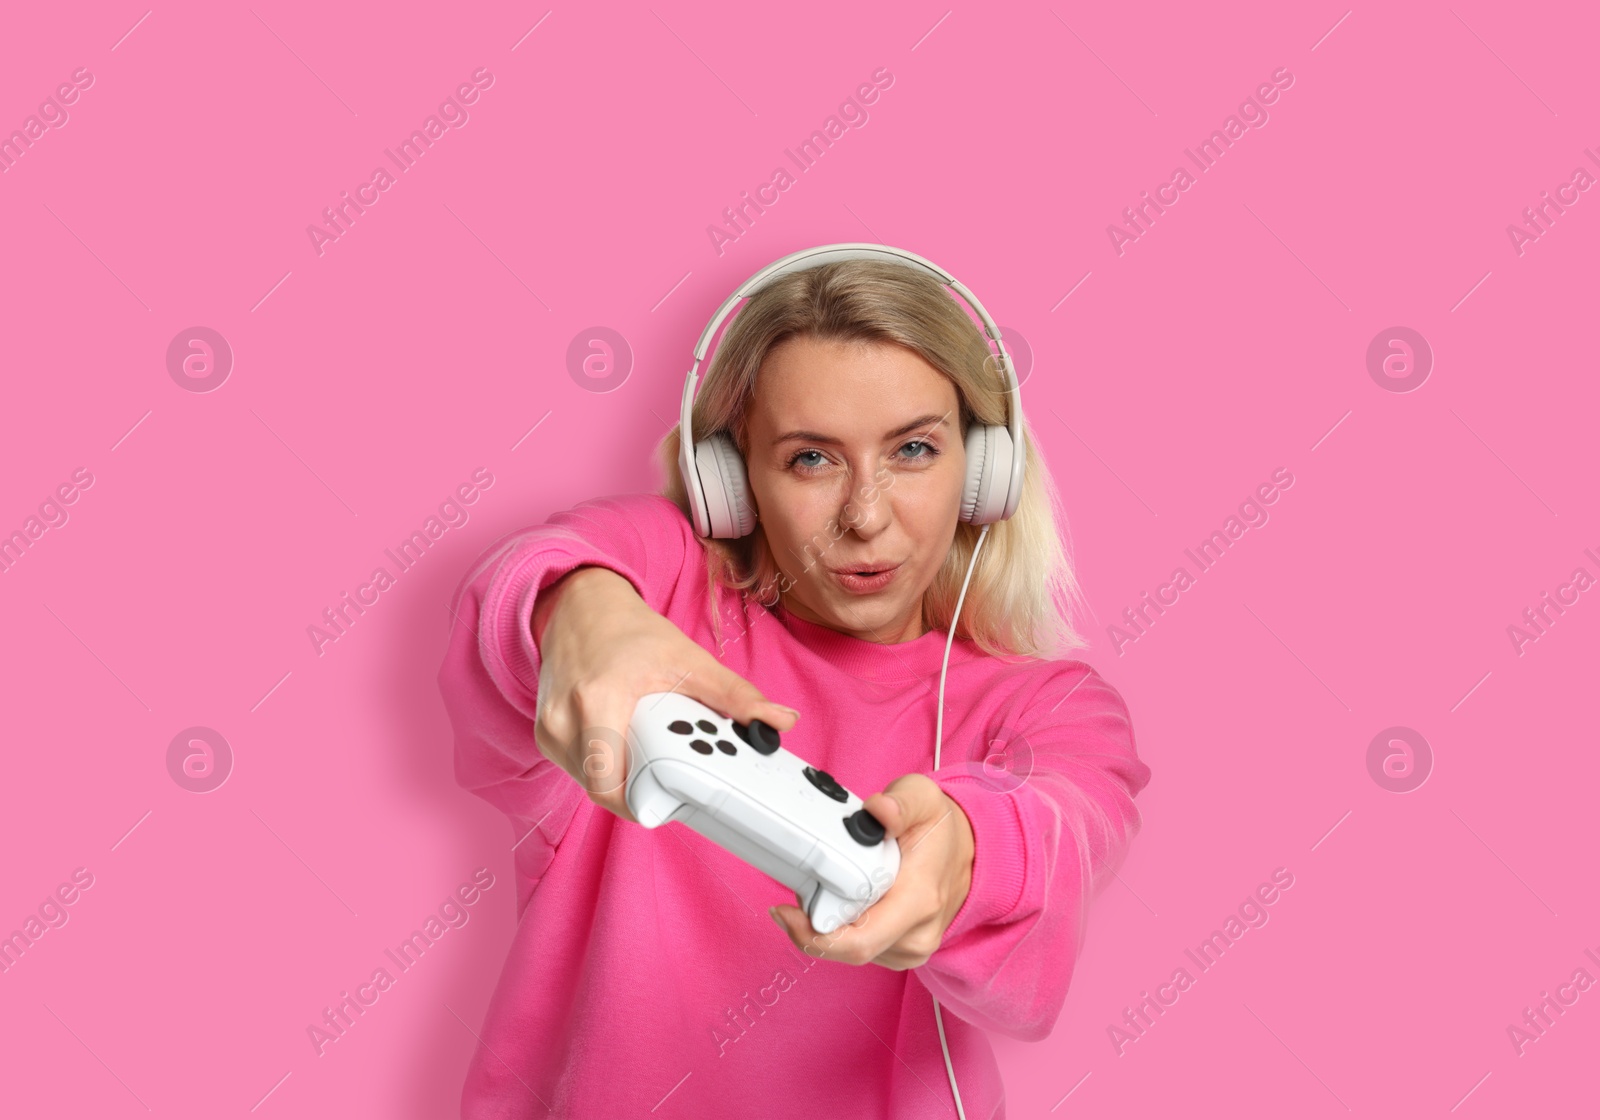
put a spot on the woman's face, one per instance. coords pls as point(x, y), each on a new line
point(856, 462)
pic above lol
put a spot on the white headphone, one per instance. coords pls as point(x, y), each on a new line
point(719, 490)
point(714, 472)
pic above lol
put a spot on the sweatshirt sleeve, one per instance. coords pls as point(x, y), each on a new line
point(490, 675)
point(1052, 816)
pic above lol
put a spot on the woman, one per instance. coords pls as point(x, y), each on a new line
point(643, 979)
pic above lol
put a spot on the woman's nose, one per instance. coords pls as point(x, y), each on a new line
point(865, 510)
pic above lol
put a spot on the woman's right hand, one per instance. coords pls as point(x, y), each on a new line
point(601, 648)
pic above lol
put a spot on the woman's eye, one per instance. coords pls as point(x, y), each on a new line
point(924, 452)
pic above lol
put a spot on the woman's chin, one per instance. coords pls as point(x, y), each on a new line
point(874, 618)
point(880, 617)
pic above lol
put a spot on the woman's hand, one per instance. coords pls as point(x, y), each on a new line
point(601, 648)
point(906, 926)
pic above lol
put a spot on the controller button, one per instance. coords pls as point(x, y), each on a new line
point(701, 745)
point(706, 725)
point(761, 736)
point(825, 782)
point(726, 747)
point(682, 727)
point(864, 828)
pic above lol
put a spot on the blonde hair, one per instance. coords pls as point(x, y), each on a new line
point(1023, 591)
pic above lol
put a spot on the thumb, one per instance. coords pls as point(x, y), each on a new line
point(891, 812)
point(903, 804)
point(742, 702)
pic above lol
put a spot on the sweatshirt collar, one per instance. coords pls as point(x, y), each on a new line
point(919, 658)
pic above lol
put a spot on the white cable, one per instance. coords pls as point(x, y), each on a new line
point(938, 740)
point(948, 1068)
point(938, 727)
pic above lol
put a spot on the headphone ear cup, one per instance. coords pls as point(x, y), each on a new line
point(724, 487)
point(989, 452)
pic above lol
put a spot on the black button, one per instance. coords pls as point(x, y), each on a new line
point(759, 735)
point(824, 781)
point(701, 745)
point(682, 727)
point(726, 747)
point(864, 828)
point(706, 725)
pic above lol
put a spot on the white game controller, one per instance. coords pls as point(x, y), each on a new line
point(735, 785)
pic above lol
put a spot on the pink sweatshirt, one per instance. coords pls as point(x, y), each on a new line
point(646, 978)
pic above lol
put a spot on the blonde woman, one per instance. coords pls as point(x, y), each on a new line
point(644, 978)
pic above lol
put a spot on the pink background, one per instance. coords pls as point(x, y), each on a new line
point(372, 380)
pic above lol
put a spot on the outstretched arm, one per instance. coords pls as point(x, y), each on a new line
point(999, 862)
point(1051, 825)
point(555, 634)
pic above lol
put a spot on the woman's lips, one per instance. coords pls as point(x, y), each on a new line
point(865, 585)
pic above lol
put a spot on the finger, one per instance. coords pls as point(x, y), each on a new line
point(823, 946)
point(794, 923)
point(738, 699)
point(889, 812)
point(602, 760)
point(905, 803)
point(886, 923)
point(915, 898)
point(869, 938)
point(602, 756)
point(877, 931)
point(797, 924)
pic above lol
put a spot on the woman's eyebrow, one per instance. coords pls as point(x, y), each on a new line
point(928, 422)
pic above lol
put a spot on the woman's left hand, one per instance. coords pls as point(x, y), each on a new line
point(906, 926)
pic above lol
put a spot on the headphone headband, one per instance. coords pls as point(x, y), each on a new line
point(851, 251)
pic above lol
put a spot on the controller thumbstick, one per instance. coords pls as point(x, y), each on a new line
point(864, 828)
point(762, 737)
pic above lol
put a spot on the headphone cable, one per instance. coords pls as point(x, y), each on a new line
point(938, 739)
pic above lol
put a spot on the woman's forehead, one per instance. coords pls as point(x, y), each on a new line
point(806, 383)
